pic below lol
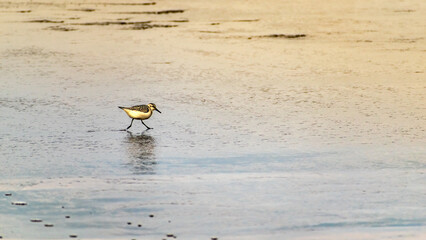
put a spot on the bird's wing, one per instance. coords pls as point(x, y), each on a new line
point(141, 108)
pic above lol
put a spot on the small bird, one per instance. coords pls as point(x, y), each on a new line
point(140, 112)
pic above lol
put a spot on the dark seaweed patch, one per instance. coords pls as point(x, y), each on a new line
point(179, 20)
point(131, 4)
point(142, 25)
point(210, 32)
point(405, 11)
point(45, 21)
point(112, 23)
point(247, 20)
point(149, 26)
point(156, 12)
point(61, 28)
point(288, 36)
point(83, 9)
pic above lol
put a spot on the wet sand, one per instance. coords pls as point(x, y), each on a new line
point(280, 119)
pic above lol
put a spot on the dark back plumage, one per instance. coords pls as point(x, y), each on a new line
point(141, 108)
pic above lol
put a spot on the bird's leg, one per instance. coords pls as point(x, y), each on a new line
point(145, 125)
point(130, 124)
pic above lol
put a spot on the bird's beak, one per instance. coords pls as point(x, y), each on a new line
point(157, 110)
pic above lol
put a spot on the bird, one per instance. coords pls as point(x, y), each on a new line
point(140, 112)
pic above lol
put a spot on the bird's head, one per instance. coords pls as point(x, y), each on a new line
point(153, 107)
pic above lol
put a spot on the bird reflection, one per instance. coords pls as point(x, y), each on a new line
point(141, 149)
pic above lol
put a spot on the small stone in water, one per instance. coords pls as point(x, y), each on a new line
point(48, 225)
point(36, 220)
point(8, 194)
point(139, 225)
point(151, 215)
point(19, 203)
point(67, 216)
point(129, 223)
point(214, 238)
point(73, 236)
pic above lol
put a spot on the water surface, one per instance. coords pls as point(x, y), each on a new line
point(279, 119)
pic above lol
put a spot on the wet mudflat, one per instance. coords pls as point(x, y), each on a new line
point(286, 119)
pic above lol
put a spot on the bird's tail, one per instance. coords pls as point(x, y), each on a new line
point(122, 107)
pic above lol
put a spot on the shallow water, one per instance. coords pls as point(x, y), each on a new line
point(320, 136)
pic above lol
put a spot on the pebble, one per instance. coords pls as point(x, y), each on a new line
point(19, 203)
point(139, 225)
point(67, 216)
point(36, 220)
point(129, 223)
point(8, 194)
point(73, 236)
point(151, 215)
point(214, 238)
point(171, 235)
point(48, 225)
